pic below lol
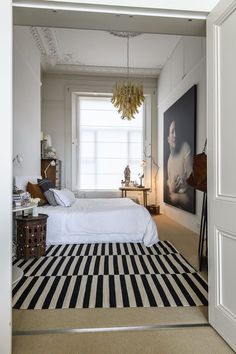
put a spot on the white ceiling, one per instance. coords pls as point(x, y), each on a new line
point(75, 38)
point(89, 51)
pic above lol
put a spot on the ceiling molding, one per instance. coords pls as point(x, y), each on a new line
point(53, 61)
point(46, 41)
point(34, 32)
point(103, 70)
point(124, 34)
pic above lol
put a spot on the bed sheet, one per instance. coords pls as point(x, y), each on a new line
point(100, 221)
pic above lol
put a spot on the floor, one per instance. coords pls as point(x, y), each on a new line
point(176, 341)
point(169, 340)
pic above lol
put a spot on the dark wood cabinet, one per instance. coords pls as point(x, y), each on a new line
point(51, 169)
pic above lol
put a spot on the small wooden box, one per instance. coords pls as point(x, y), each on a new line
point(31, 236)
point(153, 209)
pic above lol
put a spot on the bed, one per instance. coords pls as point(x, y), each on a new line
point(99, 221)
point(106, 220)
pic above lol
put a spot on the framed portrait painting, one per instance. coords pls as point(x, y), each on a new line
point(179, 148)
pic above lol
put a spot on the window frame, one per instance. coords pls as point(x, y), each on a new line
point(147, 129)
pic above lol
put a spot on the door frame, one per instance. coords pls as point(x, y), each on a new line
point(221, 202)
point(8, 156)
point(6, 177)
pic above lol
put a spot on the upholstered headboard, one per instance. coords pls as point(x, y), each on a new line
point(21, 181)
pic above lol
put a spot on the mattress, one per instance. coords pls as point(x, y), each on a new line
point(106, 220)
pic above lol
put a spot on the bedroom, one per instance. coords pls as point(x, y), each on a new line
point(55, 97)
point(31, 144)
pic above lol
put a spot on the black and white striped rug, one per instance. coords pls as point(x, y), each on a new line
point(109, 275)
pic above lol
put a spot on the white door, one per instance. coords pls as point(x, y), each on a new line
point(221, 52)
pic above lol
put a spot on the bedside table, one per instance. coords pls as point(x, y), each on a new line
point(17, 272)
point(31, 236)
point(124, 191)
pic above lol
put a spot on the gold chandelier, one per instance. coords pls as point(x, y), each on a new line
point(127, 95)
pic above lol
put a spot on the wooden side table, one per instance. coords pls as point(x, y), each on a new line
point(31, 236)
point(124, 191)
point(17, 272)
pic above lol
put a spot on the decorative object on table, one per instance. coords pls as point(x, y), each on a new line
point(20, 198)
point(31, 236)
point(127, 174)
point(179, 147)
point(141, 176)
point(122, 183)
point(53, 172)
point(48, 151)
point(127, 95)
point(35, 201)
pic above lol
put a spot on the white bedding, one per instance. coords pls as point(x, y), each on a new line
point(100, 220)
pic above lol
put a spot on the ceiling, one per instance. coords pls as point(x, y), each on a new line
point(100, 52)
point(76, 39)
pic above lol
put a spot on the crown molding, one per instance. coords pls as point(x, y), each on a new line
point(53, 61)
point(46, 41)
point(103, 70)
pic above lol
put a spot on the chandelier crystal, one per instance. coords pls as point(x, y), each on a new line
point(127, 95)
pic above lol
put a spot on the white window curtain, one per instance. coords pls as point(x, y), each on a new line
point(106, 144)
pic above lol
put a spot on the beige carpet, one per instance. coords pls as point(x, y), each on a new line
point(185, 240)
point(196, 340)
point(175, 341)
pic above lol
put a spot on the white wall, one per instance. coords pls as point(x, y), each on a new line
point(185, 67)
point(6, 175)
point(56, 110)
point(26, 102)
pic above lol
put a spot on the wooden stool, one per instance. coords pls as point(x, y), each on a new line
point(31, 236)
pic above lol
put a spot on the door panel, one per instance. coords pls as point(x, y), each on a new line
point(226, 259)
point(226, 104)
point(221, 59)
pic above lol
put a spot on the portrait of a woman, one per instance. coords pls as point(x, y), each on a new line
point(179, 148)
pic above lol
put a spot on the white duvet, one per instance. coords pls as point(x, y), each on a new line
point(100, 220)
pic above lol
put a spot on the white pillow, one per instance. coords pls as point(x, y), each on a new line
point(64, 197)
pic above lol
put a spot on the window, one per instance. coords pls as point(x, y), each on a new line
point(106, 144)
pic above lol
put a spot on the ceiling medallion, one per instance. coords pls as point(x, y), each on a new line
point(127, 95)
point(125, 34)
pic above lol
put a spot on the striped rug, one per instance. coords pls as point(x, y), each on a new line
point(109, 275)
